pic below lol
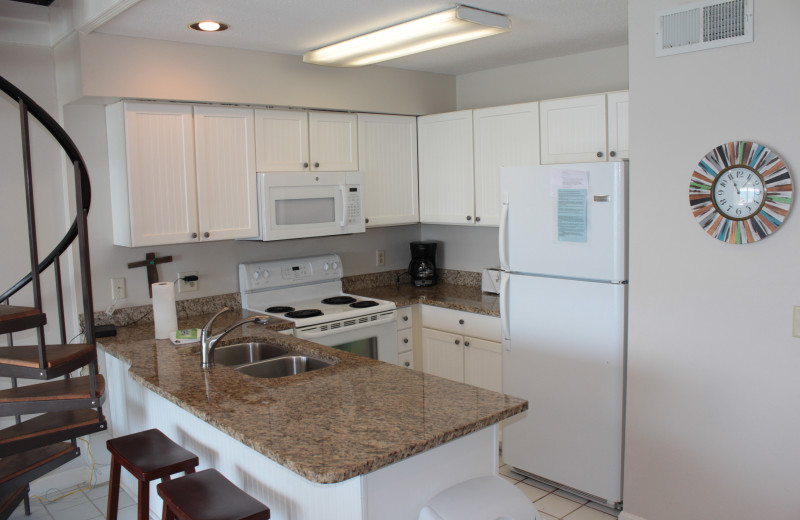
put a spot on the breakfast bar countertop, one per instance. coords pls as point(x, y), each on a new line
point(328, 425)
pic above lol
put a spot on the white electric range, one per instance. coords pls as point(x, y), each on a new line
point(308, 292)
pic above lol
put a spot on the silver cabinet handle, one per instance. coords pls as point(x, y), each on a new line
point(366, 221)
point(469, 217)
point(460, 322)
point(194, 235)
point(407, 364)
point(405, 340)
point(458, 342)
point(477, 219)
point(599, 154)
point(316, 165)
point(305, 165)
point(405, 318)
point(206, 234)
point(612, 153)
point(466, 343)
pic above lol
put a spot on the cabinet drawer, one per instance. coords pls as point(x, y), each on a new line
point(460, 322)
point(406, 359)
point(404, 320)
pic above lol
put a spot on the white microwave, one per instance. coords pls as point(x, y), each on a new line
point(310, 204)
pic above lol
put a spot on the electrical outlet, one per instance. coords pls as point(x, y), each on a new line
point(118, 289)
point(183, 285)
point(380, 257)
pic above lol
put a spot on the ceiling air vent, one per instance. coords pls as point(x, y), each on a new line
point(703, 25)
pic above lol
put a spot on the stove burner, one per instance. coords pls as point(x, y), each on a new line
point(338, 300)
point(279, 309)
point(363, 304)
point(304, 313)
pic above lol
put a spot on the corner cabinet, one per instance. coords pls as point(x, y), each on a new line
point(462, 346)
point(180, 174)
point(584, 128)
point(461, 154)
point(387, 155)
point(299, 141)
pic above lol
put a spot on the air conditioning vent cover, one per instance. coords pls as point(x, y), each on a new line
point(703, 25)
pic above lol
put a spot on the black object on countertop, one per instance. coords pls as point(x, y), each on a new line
point(104, 331)
point(423, 263)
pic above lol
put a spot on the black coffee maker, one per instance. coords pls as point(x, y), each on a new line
point(423, 263)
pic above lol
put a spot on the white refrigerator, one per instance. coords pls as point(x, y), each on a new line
point(563, 294)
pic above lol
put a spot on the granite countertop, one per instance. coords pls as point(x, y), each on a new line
point(328, 425)
point(458, 297)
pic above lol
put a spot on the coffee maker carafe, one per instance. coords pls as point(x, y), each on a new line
point(423, 263)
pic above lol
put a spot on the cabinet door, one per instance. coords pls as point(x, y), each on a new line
point(504, 136)
point(226, 173)
point(446, 183)
point(483, 364)
point(333, 139)
point(573, 129)
point(387, 155)
point(161, 202)
point(618, 126)
point(281, 141)
point(443, 354)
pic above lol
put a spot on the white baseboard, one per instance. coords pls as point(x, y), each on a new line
point(627, 516)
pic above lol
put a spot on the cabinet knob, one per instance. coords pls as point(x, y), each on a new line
point(316, 165)
point(599, 154)
point(460, 322)
point(469, 217)
point(305, 165)
point(408, 364)
point(405, 318)
point(466, 343)
point(366, 221)
point(206, 234)
point(458, 342)
point(477, 219)
point(612, 153)
point(405, 340)
point(194, 235)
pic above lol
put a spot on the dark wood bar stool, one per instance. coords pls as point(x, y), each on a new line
point(207, 495)
point(148, 455)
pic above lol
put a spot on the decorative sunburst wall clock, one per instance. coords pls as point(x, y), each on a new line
point(740, 192)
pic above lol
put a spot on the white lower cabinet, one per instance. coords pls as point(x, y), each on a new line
point(462, 346)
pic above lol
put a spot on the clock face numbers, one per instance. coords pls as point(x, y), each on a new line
point(740, 192)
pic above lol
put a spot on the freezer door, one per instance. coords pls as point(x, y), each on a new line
point(566, 356)
point(565, 220)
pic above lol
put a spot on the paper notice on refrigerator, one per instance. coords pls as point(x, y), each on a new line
point(561, 179)
point(572, 215)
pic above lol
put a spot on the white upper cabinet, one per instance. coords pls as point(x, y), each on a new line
point(297, 141)
point(446, 180)
point(166, 190)
point(584, 128)
point(618, 135)
point(226, 172)
point(387, 155)
point(503, 136)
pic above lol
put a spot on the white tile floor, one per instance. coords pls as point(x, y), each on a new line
point(556, 504)
point(82, 505)
point(91, 504)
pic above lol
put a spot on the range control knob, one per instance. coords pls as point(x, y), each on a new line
point(255, 275)
point(326, 266)
point(336, 265)
point(264, 274)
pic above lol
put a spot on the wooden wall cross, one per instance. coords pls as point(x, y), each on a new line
point(150, 262)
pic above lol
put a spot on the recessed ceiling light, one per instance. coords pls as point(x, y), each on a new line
point(208, 26)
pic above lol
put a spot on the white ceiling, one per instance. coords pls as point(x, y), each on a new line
point(540, 28)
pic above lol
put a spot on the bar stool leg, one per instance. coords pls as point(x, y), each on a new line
point(144, 500)
point(166, 513)
point(113, 490)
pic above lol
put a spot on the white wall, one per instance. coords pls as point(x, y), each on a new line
point(602, 70)
point(713, 389)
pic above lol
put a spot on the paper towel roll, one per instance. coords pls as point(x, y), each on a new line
point(165, 316)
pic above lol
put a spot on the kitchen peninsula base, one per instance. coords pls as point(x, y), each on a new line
point(396, 491)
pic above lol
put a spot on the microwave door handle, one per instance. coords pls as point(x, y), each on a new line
point(344, 208)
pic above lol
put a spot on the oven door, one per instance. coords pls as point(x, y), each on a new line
point(373, 335)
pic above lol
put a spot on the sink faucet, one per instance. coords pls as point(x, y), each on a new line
point(209, 342)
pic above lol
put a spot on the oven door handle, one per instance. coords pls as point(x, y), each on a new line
point(313, 331)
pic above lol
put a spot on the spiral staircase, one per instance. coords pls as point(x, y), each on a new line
point(55, 392)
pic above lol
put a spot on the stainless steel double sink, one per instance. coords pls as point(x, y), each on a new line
point(266, 360)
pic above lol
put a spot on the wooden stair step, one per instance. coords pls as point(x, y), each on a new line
point(14, 318)
point(63, 394)
point(50, 428)
point(23, 361)
point(9, 502)
point(21, 468)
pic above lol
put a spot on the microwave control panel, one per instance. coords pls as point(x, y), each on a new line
point(353, 206)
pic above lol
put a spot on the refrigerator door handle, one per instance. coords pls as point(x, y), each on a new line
point(504, 233)
point(505, 329)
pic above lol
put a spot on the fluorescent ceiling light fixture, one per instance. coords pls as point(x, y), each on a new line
point(456, 25)
point(208, 26)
